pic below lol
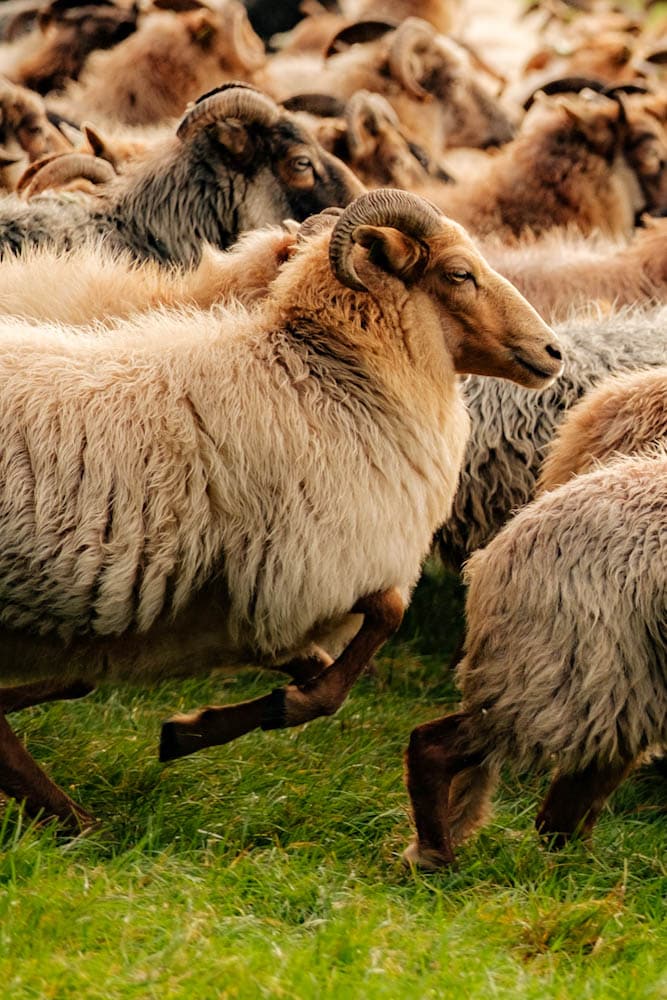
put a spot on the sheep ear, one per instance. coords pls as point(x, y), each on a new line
point(393, 251)
point(233, 135)
point(202, 26)
point(99, 146)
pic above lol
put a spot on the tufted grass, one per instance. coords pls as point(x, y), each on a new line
point(270, 867)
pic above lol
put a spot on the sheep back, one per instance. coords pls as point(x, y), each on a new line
point(567, 634)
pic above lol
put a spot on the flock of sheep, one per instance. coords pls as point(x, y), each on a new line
point(268, 319)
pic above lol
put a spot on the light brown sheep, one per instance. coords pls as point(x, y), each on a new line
point(171, 60)
point(94, 285)
point(148, 476)
point(566, 167)
point(561, 272)
point(623, 415)
point(426, 77)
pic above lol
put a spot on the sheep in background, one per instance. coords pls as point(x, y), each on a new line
point(561, 272)
point(26, 134)
point(172, 58)
point(238, 162)
point(67, 34)
point(623, 415)
point(566, 659)
point(64, 172)
point(566, 167)
point(426, 77)
point(93, 285)
point(153, 523)
point(366, 134)
point(510, 431)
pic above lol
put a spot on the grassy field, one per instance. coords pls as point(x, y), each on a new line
point(271, 867)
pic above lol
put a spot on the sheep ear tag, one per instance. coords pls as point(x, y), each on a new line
point(232, 134)
point(392, 250)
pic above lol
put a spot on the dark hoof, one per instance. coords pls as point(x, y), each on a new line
point(176, 741)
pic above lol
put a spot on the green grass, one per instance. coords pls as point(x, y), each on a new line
point(270, 867)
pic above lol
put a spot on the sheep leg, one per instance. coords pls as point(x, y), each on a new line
point(296, 703)
point(304, 668)
point(574, 801)
point(23, 779)
point(435, 755)
point(12, 699)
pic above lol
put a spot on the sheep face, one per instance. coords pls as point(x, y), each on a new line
point(25, 131)
point(646, 148)
point(488, 327)
point(286, 164)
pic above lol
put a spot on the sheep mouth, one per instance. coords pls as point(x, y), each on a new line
point(541, 373)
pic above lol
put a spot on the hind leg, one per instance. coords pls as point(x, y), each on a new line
point(23, 779)
point(297, 703)
point(437, 752)
point(12, 699)
point(470, 801)
point(574, 801)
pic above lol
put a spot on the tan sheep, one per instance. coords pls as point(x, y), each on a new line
point(623, 415)
point(566, 167)
point(561, 272)
point(215, 488)
point(95, 285)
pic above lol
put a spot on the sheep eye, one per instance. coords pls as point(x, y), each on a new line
point(458, 277)
point(301, 164)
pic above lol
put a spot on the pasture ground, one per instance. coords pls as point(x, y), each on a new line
point(271, 867)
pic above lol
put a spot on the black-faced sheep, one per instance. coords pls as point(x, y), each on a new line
point(238, 162)
point(566, 659)
point(511, 430)
point(192, 489)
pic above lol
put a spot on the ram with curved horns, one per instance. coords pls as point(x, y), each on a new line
point(238, 162)
point(228, 487)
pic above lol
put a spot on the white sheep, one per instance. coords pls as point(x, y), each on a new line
point(198, 489)
point(566, 659)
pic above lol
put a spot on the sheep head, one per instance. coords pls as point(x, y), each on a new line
point(243, 128)
point(488, 327)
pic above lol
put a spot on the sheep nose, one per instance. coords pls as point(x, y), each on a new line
point(554, 353)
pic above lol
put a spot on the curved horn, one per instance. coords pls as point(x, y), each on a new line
point(564, 85)
point(391, 207)
point(66, 168)
point(360, 31)
point(411, 35)
point(234, 100)
point(320, 105)
point(316, 224)
point(247, 46)
point(365, 109)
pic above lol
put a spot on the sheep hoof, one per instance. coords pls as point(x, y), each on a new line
point(425, 858)
point(177, 740)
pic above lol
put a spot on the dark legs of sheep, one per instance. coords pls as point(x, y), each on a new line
point(12, 699)
point(574, 801)
point(296, 703)
point(435, 755)
point(23, 779)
